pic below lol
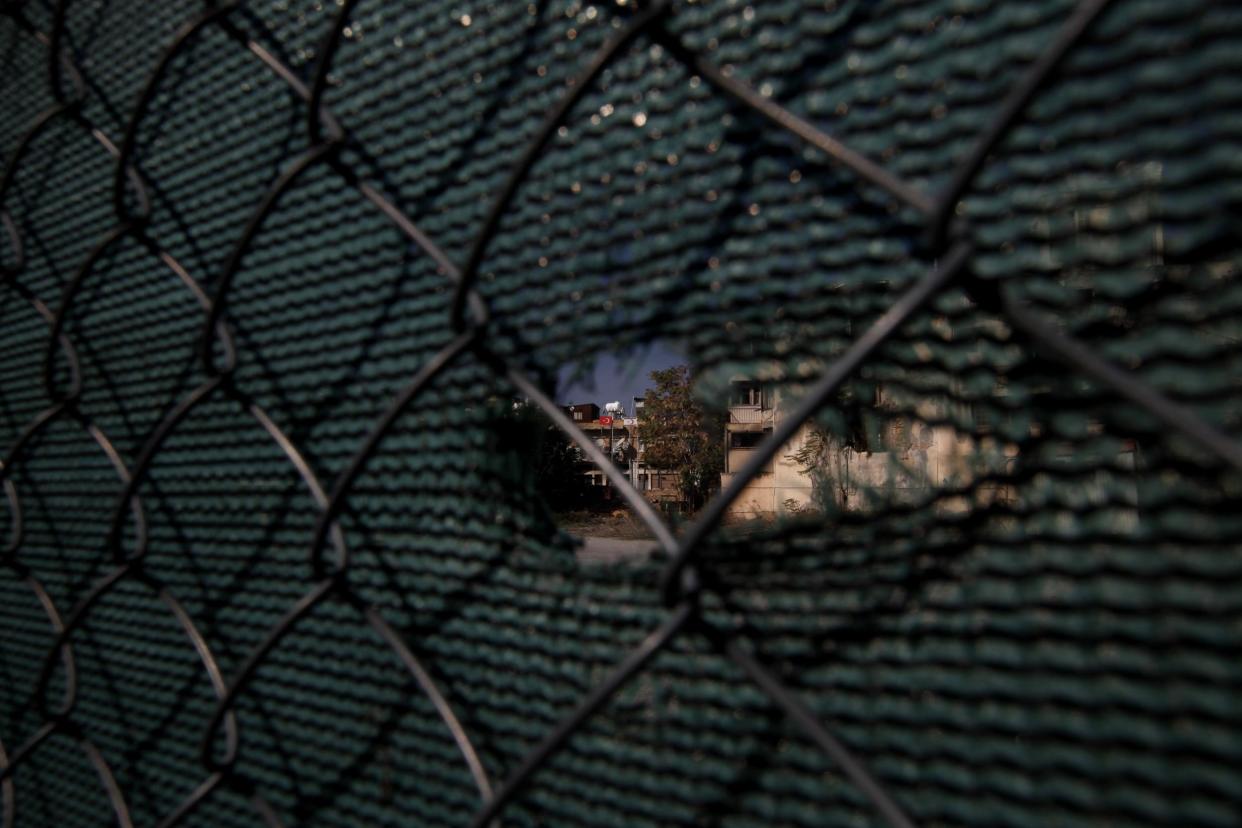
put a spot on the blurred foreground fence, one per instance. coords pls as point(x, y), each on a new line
point(273, 272)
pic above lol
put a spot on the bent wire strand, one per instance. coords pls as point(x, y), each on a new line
point(1011, 109)
point(428, 685)
point(913, 299)
point(805, 719)
point(1075, 354)
point(8, 799)
point(577, 88)
point(120, 808)
point(11, 763)
point(638, 658)
point(333, 504)
point(59, 720)
point(15, 521)
point(214, 675)
point(835, 149)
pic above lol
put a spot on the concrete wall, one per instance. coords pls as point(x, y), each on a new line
point(922, 458)
point(771, 492)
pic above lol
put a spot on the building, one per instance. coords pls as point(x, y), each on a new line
point(617, 436)
point(583, 412)
point(660, 487)
point(900, 460)
point(782, 485)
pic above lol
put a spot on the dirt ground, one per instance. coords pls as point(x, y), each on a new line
point(618, 523)
point(621, 523)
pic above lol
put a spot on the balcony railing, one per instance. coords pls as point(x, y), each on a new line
point(746, 414)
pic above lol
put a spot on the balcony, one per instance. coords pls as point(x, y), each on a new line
point(742, 416)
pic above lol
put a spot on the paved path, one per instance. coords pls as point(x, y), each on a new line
point(611, 550)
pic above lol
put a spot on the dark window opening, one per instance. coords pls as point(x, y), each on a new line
point(747, 393)
point(745, 439)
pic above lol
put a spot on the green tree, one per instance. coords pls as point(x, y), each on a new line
point(530, 448)
point(679, 436)
point(560, 471)
point(845, 428)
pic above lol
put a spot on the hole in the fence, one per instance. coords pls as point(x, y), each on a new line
point(654, 448)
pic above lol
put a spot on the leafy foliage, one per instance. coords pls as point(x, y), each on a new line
point(680, 436)
point(539, 450)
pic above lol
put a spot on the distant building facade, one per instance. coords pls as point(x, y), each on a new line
point(901, 462)
point(583, 412)
point(618, 437)
point(781, 485)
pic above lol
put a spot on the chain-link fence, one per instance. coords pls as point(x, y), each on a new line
point(332, 244)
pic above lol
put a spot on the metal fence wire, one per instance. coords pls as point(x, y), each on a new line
point(251, 248)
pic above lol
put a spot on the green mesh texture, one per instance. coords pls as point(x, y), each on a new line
point(1064, 654)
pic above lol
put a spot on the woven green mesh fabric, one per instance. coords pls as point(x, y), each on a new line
point(1052, 639)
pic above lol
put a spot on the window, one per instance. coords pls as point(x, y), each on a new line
point(741, 443)
point(745, 439)
point(747, 392)
point(577, 415)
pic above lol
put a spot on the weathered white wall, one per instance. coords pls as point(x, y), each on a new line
point(774, 492)
point(933, 458)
